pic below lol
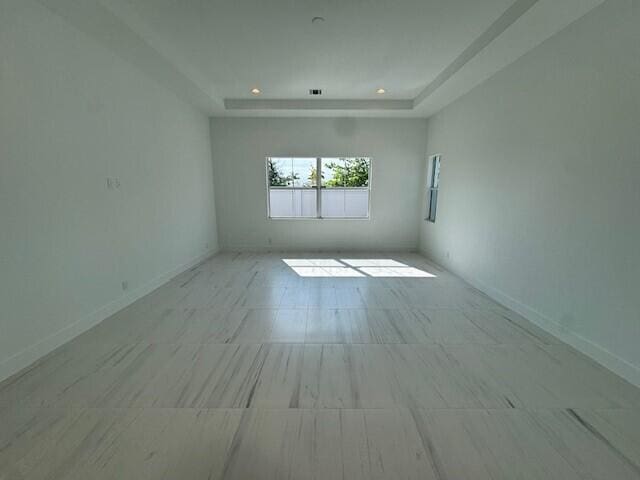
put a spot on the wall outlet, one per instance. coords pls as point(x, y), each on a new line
point(125, 286)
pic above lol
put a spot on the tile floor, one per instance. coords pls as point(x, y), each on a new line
point(318, 366)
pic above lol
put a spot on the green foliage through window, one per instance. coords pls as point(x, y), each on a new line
point(336, 172)
point(348, 172)
point(276, 177)
point(313, 177)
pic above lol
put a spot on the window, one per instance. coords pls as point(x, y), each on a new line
point(345, 187)
point(294, 193)
point(292, 187)
point(433, 179)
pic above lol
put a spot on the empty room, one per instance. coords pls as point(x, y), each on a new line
point(323, 240)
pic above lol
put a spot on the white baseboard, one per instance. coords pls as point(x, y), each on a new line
point(37, 351)
point(285, 248)
point(616, 364)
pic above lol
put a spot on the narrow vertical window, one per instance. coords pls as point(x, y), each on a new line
point(433, 179)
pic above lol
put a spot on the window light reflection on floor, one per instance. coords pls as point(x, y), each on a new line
point(354, 268)
point(327, 272)
point(395, 272)
point(372, 262)
point(312, 262)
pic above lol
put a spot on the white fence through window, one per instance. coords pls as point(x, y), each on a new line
point(335, 202)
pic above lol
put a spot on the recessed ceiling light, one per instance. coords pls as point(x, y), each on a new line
point(317, 20)
point(380, 91)
point(255, 91)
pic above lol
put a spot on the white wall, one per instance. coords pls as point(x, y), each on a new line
point(240, 145)
point(540, 186)
point(71, 115)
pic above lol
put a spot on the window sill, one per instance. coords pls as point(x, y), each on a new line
point(318, 218)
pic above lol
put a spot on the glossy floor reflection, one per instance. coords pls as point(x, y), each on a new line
point(247, 367)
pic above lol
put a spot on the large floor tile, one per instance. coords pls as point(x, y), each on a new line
point(243, 367)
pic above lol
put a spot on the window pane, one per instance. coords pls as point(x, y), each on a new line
point(345, 193)
point(330, 167)
point(356, 203)
point(345, 172)
point(279, 172)
point(281, 202)
point(345, 202)
point(332, 203)
point(433, 204)
point(308, 201)
point(285, 202)
point(436, 171)
point(434, 179)
point(303, 171)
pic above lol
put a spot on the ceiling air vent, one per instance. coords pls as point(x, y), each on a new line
point(315, 92)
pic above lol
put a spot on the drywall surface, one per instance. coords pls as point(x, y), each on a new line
point(73, 115)
point(240, 146)
point(540, 186)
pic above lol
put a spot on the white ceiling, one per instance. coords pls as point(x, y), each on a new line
point(214, 51)
point(362, 44)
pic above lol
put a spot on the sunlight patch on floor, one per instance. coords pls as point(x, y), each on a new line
point(327, 272)
point(312, 262)
point(372, 262)
point(354, 268)
point(395, 272)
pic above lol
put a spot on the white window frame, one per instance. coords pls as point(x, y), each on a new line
point(318, 188)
